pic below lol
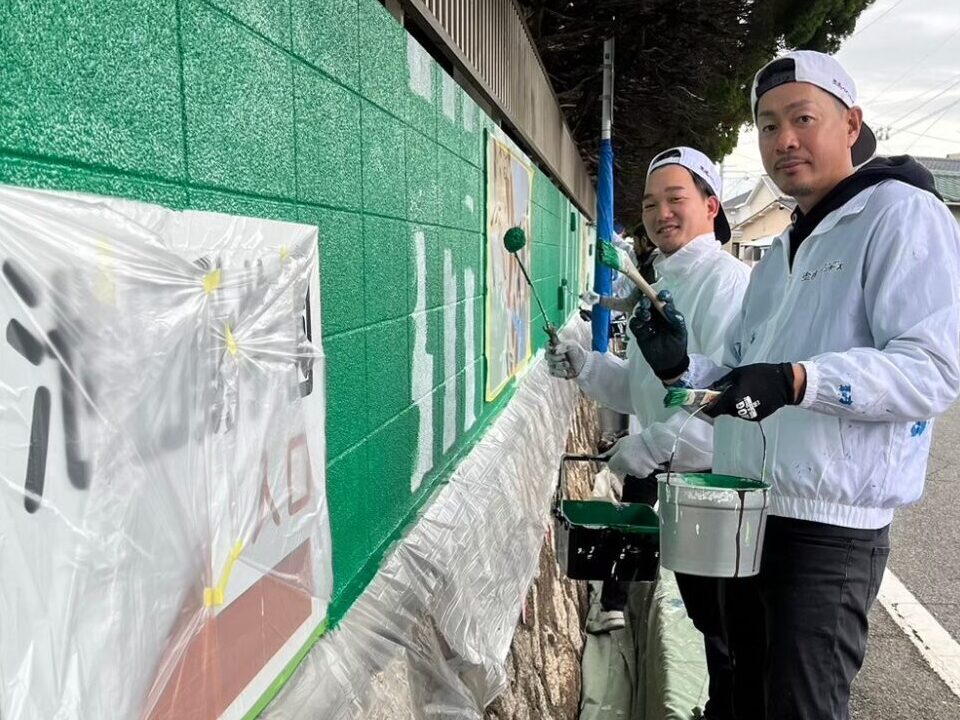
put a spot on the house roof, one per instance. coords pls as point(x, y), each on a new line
point(948, 185)
point(737, 200)
point(946, 176)
point(940, 164)
point(765, 241)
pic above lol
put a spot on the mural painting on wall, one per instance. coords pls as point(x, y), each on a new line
point(164, 457)
point(509, 184)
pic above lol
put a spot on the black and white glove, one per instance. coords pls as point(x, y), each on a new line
point(753, 392)
point(662, 337)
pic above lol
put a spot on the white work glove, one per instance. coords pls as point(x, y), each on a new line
point(589, 298)
point(631, 456)
point(565, 359)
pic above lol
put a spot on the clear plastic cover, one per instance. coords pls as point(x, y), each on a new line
point(163, 526)
point(430, 636)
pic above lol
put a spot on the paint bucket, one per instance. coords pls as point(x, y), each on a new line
point(712, 525)
point(601, 540)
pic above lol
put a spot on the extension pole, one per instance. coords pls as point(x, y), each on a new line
point(602, 275)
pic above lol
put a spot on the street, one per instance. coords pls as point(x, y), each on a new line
point(897, 681)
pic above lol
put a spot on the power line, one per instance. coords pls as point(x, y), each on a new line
point(932, 123)
point(928, 115)
point(877, 19)
point(933, 137)
point(926, 102)
point(913, 67)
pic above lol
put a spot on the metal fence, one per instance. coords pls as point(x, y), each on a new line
point(488, 42)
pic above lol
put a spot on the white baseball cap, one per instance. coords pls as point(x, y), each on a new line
point(701, 166)
point(827, 74)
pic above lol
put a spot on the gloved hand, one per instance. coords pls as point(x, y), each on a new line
point(753, 392)
point(589, 298)
point(662, 338)
point(631, 456)
point(565, 359)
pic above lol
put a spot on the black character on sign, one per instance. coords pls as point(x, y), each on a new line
point(305, 366)
point(34, 350)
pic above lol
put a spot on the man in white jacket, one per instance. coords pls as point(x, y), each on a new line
point(683, 217)
point(846, 348)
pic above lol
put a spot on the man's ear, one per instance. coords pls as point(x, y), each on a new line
point(854, 123)
point(713, 206)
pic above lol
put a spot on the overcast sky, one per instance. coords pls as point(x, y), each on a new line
point(905, 59)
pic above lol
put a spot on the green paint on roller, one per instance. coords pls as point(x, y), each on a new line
point(514, 239)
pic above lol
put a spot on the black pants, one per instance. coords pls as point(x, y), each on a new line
point(705, 600)
point(801, 624)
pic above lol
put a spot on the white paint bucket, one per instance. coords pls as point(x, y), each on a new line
point(712, 525)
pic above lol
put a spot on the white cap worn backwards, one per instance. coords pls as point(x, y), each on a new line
point(827, 74)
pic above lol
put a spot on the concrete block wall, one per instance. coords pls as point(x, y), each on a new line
point(315, 111)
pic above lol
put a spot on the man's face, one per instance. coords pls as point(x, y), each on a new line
point(805, 140)
point(674, 210)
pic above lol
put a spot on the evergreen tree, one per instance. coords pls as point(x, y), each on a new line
point(683, 69)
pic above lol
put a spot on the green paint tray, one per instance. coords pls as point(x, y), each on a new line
point(598, 540)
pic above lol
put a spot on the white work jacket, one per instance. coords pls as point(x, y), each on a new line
point(871, 310)
point(707, 284)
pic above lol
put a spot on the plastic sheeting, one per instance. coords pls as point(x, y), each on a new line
point(163, 528)
point(429, 636)
point(674, 667)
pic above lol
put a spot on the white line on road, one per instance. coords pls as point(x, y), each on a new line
point(936, 646)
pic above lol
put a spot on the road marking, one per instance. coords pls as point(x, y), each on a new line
point(936, 646)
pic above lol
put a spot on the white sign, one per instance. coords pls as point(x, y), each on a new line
point(163, 523)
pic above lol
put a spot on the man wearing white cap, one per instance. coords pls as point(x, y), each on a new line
point(846, 348)
point(683, 217)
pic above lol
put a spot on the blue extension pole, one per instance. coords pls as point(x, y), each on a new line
point(602, 275)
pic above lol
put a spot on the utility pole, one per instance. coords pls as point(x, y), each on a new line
point(602, 275)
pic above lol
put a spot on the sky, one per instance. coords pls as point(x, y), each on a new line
point(905, 59)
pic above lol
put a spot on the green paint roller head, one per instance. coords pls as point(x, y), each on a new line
point(514, 240)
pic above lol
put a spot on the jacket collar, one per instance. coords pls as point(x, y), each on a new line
point(687, 257)
point(853, 207)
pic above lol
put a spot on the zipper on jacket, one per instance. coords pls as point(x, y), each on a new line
point(774, 324)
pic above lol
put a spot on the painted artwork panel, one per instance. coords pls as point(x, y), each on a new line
point(509, 185)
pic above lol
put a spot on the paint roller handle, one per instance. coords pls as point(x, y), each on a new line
point(561, 489)
point(551, 330)
point(637, 279)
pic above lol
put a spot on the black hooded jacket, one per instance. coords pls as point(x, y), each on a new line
point(898, 167)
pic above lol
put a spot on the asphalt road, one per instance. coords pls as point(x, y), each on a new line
point(896, 682)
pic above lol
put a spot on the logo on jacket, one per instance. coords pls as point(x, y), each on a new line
point(747, 408)
point(833, 266)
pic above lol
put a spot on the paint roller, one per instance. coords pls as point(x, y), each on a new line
point(514, 240)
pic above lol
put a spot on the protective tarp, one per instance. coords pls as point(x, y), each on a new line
point(163, 527)
point(608, 667)
point(430, 635)
point(674, 667)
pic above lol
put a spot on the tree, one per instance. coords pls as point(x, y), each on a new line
point(683, 69)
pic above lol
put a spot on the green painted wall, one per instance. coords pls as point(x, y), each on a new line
point(315, 111)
